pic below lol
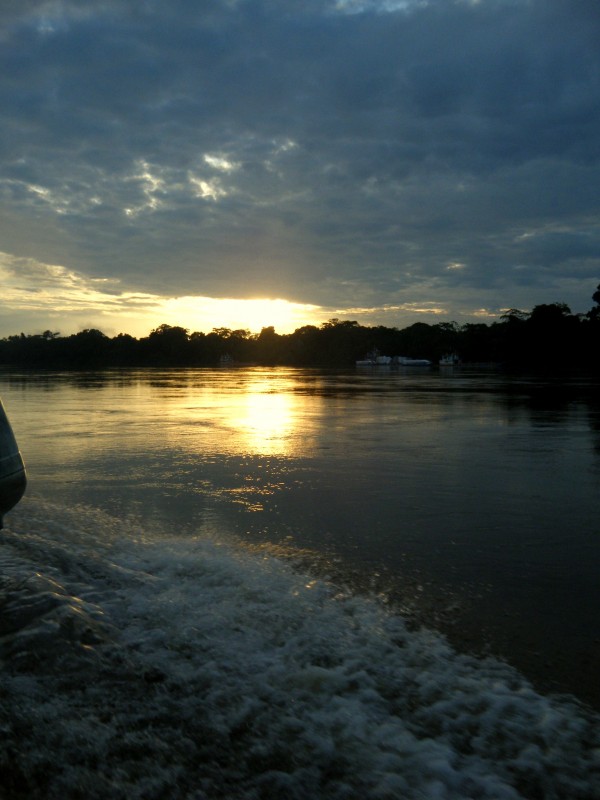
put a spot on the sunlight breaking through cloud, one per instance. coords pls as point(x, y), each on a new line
point(414, 308)
point(210, 189)
point(220, 162)
point(46, 292)
point(340, 153)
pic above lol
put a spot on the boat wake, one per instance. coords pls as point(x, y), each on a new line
point(140, 664)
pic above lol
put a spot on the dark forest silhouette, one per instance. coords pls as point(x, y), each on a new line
point(548, 336)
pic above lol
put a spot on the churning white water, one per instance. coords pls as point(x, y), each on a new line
point(139, 665)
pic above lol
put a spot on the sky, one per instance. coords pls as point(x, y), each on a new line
point(247, 163)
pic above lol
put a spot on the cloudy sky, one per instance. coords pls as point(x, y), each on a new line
point(244, 163)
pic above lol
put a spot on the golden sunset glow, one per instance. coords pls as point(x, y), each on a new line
point(206, 313)
point(49, 292)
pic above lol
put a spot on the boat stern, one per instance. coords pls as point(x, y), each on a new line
point(13, 478)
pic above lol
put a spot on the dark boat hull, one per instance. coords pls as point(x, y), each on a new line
point(13, 479)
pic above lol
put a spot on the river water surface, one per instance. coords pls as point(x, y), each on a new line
point(190, 512)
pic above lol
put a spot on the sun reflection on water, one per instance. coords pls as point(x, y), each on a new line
point(267, 420)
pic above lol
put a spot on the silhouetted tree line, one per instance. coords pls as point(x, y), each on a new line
point(549, 335)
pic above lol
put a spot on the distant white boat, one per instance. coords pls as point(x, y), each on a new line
point(372, 360)
point(449, 360)
point(403, 361)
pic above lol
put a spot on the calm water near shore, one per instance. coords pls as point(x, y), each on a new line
point(228, 582)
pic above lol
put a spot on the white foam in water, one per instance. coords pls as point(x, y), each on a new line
point(141, 666)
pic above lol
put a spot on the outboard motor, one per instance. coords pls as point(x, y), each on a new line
point(12, 470)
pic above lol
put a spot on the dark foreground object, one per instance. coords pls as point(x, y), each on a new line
point(12, 470)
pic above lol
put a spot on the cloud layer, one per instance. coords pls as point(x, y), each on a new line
point(428, 155)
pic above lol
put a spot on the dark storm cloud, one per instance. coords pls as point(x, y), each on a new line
point(320, 151)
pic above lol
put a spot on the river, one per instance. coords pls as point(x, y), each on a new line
point(254, 540)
